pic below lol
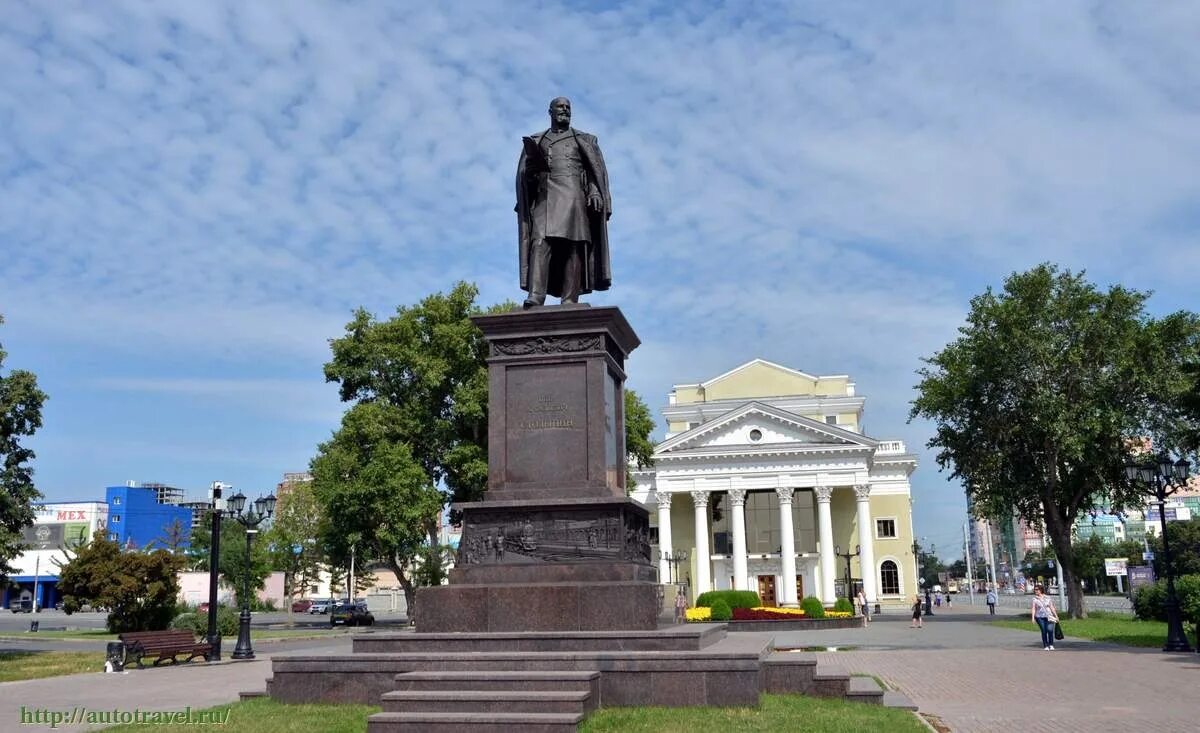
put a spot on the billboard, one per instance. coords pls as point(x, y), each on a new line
point(1115, 566)
point(1140, 575)
point(52, 535)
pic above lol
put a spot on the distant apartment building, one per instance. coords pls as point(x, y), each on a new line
point(138, 520)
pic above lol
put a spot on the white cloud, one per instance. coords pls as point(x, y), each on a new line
point(221, 183)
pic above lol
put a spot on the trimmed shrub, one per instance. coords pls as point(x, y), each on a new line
point(720, 610)
point(197, 623)
point(844, 605)
point(1149, 603)
point(813, 608)
point(732, 598)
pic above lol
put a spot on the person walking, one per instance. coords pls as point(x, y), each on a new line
point(948, 604)
point(861, 598)
point(1043, 614)
point(681, 605)
point(937, 599)
point(917, 623)
point(991, 601)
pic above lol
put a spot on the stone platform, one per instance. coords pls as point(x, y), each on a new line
point(432, 682)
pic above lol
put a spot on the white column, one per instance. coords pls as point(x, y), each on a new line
point(737, 501)
point(703, 555)
point(825, 540)
point(787, 549)
point(866, 540)
point(664, 535)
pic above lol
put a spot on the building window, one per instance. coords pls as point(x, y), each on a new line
point(889, 578)
point(112, 536)
point(831, 419)
point(116, 500)
point(115, 518)
point(885, 529)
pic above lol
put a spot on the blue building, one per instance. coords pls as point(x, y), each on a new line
point(141, 517)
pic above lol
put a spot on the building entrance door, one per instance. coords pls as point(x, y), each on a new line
point(766, 589)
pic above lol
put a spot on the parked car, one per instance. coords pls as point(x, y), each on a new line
point(351, 614)
point(21, 606)
point(302, 605)
point(321, 607)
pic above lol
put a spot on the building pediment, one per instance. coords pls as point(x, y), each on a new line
point(759, 426)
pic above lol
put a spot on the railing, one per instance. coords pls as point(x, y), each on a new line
point(890, 446)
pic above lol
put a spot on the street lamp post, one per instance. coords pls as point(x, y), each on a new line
point(837, 550)
point(264, 507)
point(214, 555)
point(1163, 478)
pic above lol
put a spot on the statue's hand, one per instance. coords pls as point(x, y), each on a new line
point(595, 203)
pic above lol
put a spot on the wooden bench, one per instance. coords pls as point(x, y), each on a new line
point(167, 645)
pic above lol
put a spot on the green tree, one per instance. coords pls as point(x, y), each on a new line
point(1036, 405)
point(639, 424)
point(139, 588)
point(292, 540)
point(174, 538)
point(231, 565)
point(1185, 549)
point(378, 499)
point(1088, 561)
point(20, 416)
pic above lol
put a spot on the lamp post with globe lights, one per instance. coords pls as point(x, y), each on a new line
point(1163, 477)
point(264, 507)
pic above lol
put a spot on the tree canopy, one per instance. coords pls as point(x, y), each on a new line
point(1040, 401)
point(139, 588)
point(20, 417)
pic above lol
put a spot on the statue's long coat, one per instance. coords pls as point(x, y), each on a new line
point(597, 268)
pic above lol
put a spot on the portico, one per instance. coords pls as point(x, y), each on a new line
point(759, 493)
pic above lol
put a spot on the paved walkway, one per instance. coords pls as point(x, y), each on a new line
point(194, 686)
point(973, 677)
point(977, 678)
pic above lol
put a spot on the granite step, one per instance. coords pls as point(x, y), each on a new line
point(474, 722)
point(830, 681)
point(789, 672)
point(864, 690)
point(488, 701)
point(894, 699)
point(554, 681)
point(675, 638)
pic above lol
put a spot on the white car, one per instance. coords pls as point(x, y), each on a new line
point(321, 607)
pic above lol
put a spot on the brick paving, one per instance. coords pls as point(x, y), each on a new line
point(976, 678)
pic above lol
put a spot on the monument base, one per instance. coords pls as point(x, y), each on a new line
point(547, 565)
point(538, 607)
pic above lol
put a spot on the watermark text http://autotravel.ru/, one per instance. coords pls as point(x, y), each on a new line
point(115, 716)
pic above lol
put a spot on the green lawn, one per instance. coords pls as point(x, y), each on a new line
point(263, 715)
point(1114, 628)
point(32, 665)
point(793, 713)
point(777, 713)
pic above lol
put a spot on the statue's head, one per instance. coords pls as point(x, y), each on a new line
point(560, 112)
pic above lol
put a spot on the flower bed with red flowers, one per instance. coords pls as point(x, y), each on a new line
point(763, 614)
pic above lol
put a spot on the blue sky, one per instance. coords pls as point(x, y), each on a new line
point(195, 195)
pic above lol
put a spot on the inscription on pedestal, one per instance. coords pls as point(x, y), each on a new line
point(545, 432)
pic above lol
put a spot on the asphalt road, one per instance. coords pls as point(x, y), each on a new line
point(51, 620)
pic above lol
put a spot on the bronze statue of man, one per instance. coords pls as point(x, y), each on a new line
point(563, 206)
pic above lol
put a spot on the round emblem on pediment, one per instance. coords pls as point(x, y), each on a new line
point(755, 435)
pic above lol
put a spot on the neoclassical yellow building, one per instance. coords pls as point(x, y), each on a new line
point(765, 475)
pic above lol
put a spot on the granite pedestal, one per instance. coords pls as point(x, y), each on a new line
point(555, 545)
